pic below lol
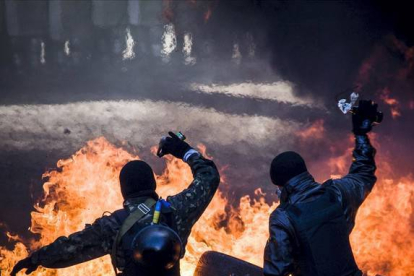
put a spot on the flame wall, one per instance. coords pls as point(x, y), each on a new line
point(86, 185)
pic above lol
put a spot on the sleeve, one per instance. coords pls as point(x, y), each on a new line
point(278, 254)
point(93, 242)
point(191, 202)
point(358, 183)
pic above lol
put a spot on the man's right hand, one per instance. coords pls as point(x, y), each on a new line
point(174, 145)
point(22, 264)
point(363, 118)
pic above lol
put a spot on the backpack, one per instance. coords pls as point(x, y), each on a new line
point(133, 223)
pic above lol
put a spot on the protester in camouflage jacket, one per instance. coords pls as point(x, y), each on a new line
point(96, 240)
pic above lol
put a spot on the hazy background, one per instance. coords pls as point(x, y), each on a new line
point(248, 79)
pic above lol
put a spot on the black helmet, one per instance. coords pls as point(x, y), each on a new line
point(157, 246)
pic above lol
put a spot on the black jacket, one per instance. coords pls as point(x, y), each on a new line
point(96, 240)
point(351, 191)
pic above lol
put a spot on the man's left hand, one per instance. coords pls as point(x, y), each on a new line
point(22, 264)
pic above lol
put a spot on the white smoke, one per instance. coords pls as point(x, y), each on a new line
point(128, 53)
point(280, 91)
point(141, 123)
point(42, 53)
point(66, 47)
point(187, 48)
point(169, 42)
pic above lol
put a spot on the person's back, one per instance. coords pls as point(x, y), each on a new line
point(309, 231)
point(123, 256)
point(105, 235)
point(186, 208)
point(321, 232)
point(314, 215)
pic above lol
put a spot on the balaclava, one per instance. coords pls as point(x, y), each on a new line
point(137, 179)
point(286, 166)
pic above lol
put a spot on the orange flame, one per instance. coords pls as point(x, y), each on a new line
point(314, 131)
point(93, 172)
point(211, 6)
point(168, 13)
point(208, 14)
point(382, 240)
point(367, 68)
point(408, 52)
point(392, 102)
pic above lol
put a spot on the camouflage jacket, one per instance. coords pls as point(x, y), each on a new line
point(351, 191)
point(96, 239)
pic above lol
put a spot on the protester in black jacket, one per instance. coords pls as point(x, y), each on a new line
point(137, 187)
point(309, 231)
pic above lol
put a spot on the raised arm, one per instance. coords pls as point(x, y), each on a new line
point(191, 202)
point(93, 242)
point(358, 183)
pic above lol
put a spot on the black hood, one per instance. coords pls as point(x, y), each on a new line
point(137, 179)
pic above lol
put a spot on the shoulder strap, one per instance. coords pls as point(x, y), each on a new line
point(142, 210)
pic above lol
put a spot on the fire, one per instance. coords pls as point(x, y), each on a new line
point(86, 185)
point(408, 52)
point(207, 14)
point(392, 102)
point(382, 240)
point(168, 13)
point(367, 68)
point(314, 131)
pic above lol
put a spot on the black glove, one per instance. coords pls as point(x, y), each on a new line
point(173, 145)
point(364, 117)
point(22, 264)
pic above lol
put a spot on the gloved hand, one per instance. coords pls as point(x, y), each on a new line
point(173, 145)
point(22, 264)
point(364, 117)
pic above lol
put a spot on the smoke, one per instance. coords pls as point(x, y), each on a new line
point(141, 123)
point(281, 91)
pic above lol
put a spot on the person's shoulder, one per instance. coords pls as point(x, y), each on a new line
point(115, 218)
point(120, 214)
point(335, 186)
point(279, 217)
point(278, 212)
